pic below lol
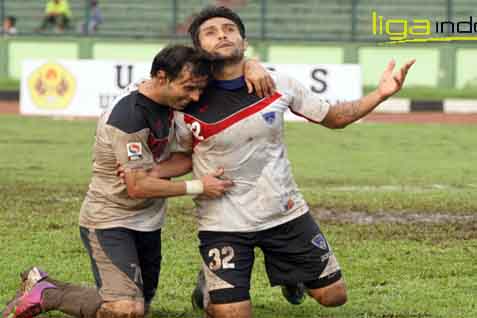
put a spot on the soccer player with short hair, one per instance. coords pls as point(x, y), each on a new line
point(243, 133)
point(120, 223)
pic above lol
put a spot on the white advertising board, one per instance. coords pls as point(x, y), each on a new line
point(84, 88)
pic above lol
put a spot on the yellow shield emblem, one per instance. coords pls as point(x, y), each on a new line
point(51, 86)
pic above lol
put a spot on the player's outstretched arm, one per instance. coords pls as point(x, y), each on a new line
point(343, 114)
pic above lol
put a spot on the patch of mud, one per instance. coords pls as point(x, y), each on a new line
point(391, 217)
point(311, 185)
point(433, 228)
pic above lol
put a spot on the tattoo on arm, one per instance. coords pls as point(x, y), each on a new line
point(348, 111)
point(343, 114)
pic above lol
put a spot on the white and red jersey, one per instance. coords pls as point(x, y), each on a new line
point(242, 133)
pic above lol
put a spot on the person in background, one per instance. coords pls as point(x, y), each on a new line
point(9, 25)
point(58, 14)
point(93, 20)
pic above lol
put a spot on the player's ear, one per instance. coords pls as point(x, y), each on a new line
point(161, 77)
point(245, 44)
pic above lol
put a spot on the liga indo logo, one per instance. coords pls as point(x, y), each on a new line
point(423, 30)
point(51, 86)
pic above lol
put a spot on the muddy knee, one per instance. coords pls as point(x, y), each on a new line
point(330, 296)
point(121, 309)
point(241, 309)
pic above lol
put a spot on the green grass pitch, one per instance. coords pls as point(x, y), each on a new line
point(418, 181)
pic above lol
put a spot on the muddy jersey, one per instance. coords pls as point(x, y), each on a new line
point(135, 132)
point(242, 133)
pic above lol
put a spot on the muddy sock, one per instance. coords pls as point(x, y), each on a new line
point(77, 301)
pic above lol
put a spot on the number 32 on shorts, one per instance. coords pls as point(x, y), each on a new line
point(221, 259)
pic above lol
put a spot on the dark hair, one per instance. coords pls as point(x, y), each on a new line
point(13, 20)
point(173, 58)
point(213, 12)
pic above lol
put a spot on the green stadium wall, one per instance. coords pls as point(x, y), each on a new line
point(437, 65)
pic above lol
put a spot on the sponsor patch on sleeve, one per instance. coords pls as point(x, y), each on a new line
point(134, 151)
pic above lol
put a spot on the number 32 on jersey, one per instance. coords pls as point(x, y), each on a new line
point(221, 258)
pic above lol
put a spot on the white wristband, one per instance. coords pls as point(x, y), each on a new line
point(194, 187)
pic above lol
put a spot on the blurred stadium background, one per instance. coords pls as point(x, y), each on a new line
point(280, 31)
point(324, 20)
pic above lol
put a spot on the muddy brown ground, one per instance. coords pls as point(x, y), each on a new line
point(421, 118)
point(433, 228)
point(396, 217)
point(9, 107)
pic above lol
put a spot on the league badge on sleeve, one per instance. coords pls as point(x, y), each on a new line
point(134, 151)
point(269, 117)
